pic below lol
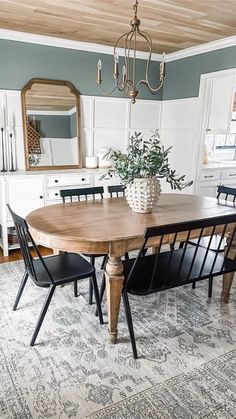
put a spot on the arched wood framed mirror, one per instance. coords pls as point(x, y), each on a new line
point(51, 118)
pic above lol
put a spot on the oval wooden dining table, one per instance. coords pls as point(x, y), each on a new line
point(110, 226)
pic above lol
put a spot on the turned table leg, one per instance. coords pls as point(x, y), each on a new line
point(114, 284)
point(228, 278)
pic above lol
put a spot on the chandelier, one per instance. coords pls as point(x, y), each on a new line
point(128, 83)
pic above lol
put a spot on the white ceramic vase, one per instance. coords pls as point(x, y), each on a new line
point(143, 194)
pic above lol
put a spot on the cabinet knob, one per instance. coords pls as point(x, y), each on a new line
point(83, 179)
point(56, 180)
point(56, 194)
point(208, 129)
point(41, 197)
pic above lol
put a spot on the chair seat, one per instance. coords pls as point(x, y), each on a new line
point(89, 255)
point(204, 242)
point(167, 275)
point(66, 267)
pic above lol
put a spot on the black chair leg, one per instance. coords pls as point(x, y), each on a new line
point(75, 289)
point(42, 314)
point(103, 287)
point(129, 322)
point(104, 261)
point(210, 284)
point(97, 299)
point(194, 285)
point(102, 290)
point(92, 261)
point(21, 289)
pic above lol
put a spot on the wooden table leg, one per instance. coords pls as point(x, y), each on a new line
point(114, 284)
point(228, 278)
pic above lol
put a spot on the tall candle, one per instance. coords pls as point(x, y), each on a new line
point(10, 123)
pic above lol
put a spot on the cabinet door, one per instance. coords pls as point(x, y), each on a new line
point(221, 104)
point(25, 194)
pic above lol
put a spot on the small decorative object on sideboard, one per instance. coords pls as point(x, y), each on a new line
point(141, 167)
point(91, 162)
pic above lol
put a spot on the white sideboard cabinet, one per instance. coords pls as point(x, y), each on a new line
point(27, 191)
point(210, 178)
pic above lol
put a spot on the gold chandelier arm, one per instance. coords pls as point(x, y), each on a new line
point(128, 41)
point(109, 91)
point(153, 90)
point(119, 39)
point(124, 86)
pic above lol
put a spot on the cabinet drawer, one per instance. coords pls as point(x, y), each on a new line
point(53, 194)
point(228, 174)
point(68, 180)
point(211, 175)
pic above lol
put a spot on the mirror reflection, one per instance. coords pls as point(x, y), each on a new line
point(51, 125)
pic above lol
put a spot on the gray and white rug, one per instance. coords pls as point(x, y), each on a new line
point(186, 367)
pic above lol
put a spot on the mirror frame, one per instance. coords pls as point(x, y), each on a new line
point(24, 116)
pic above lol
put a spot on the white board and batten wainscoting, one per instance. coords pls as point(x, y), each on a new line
point(105, 122)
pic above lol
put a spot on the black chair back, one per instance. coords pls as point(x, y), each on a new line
point(26, 241)
point(116, 190)
point(85, 193)
point(168, 269)
point(228, 192)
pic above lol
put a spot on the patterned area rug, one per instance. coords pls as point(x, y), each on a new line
point(186, 367)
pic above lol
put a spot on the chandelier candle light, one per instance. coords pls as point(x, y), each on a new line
point(128, 84)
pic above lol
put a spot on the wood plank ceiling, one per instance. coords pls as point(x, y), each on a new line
point(172, 24)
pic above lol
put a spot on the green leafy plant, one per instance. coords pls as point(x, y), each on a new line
point(144, 159)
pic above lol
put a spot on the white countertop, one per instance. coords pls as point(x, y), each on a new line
point(219, 165)
point(53, 172)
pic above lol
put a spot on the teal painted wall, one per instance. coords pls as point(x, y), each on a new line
point(21, 62)
point(183, 76)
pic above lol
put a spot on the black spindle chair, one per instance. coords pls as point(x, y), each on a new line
point(228, 197)
point(173, 268)
point(72, 195)
point(116, 191)
point(223, 193)
point(51, 271)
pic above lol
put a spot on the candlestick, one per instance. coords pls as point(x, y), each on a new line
point(12, 169)
point(3, 152)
